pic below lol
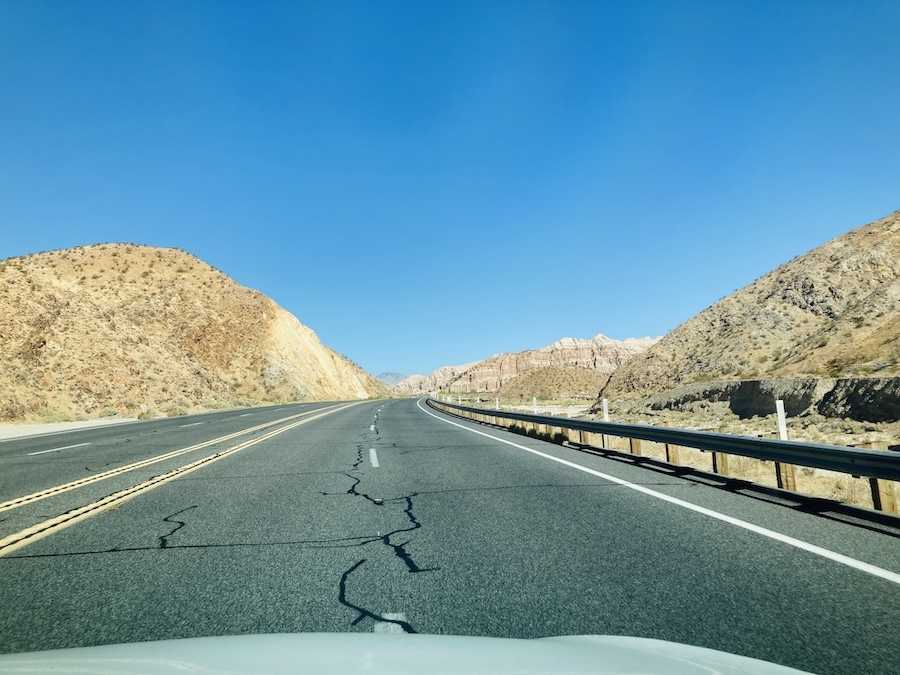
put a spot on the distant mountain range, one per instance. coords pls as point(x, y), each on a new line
point(599, 354)
point(391, 379)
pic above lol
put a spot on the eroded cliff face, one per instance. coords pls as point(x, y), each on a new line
point(833, 312)
point(601, 354)
point(104, 329)
point(421, 384)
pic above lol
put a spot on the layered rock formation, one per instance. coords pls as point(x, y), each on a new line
point(420, 384)
point(104, 329)
point(600, 354)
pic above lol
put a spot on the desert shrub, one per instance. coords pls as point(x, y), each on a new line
point(174, 410)
point(49, 415)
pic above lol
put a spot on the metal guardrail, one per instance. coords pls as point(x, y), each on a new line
point(871, 464)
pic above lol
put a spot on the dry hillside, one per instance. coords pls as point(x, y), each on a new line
point(833, 312)
point(103, 329)
point(555, 383)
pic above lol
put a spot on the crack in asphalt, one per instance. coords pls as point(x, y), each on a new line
point(399, 550)
point(364, 613)
point(310, 543)
point(164, 539)
point(88, 469)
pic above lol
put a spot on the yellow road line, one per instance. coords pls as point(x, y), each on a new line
point(52, 525)
point(81, 482)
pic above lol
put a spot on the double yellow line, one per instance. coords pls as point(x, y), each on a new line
point(43, 529)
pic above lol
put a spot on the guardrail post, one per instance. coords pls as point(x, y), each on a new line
point(883, 497)
point(720, 463)
point(784, 474)
point(634, 444)
point(671, 453)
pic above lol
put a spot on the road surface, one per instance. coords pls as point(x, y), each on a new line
point(387, 516)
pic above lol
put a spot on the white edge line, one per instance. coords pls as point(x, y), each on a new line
point(65, 447)
point(373, 458)
point(777, 536)
point(38, 434)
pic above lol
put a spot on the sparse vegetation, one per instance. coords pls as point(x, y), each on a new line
point(104, 319)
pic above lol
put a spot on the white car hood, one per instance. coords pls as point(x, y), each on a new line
point(386, 653)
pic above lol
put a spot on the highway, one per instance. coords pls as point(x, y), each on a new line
point(387, 516)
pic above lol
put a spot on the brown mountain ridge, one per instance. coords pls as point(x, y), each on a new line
point(830, 316)
point(104, 329)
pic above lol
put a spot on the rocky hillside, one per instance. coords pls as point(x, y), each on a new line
point(103, 329)
point(600, 354)
point(833, 312)
point(555, 383)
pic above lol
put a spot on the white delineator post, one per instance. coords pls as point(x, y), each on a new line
point(784, 473)
point(782, 422)
point(498, 403)
point(534, 404)
point(605, 410)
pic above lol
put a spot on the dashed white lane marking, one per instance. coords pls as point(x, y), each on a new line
point(373, 458)
point(372, 427)
point(777, 536)
point(65, 447)
point(245, 415)
point(387, 627)
point(182, 426)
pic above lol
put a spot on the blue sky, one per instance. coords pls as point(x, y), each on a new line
point(428, 183)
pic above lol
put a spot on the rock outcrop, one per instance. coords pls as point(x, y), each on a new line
point(104, 329)
point(869, 399)
point(601, 354)
point(831, 313)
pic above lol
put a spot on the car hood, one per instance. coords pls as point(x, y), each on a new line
point(387, 653)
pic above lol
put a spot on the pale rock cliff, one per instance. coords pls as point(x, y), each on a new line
point(600, 354)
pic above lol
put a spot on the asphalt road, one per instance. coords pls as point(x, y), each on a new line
point(417, 522)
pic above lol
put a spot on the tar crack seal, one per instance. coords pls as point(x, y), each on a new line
point(364, 613)
point(164, 539)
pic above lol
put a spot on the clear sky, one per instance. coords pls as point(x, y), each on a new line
point(429, 183)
